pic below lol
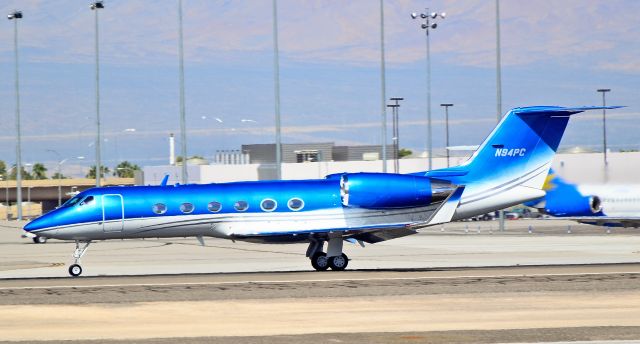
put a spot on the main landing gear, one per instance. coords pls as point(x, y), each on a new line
point(75, 269)
point(334, 258)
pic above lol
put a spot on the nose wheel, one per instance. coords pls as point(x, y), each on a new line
point(39, 240)
point(75, 269)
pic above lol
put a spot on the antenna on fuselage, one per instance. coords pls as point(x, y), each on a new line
point(164, 180)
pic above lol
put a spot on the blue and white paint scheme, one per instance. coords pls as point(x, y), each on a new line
point(612, 205)
point(508, 168)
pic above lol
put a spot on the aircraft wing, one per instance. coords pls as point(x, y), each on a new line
point(609, 221)
point(369, 234)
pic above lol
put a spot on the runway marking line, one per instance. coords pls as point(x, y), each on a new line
point(310, 281)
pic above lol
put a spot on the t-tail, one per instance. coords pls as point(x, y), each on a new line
point(511, 165)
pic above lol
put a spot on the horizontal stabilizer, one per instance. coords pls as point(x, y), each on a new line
point(448, 208)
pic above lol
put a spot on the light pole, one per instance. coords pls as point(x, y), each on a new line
point(96, 6)
point(396, 132)
point(499, 93)
point(183, 120)
point(604, 124)
point(383, 90)
point(446, 124)
point(427, 24)
point(59, 172)
point(6, 197)
point(6, 189)
point(276, 82)
point(498, 65)
point(117, 138)
point(15, 15)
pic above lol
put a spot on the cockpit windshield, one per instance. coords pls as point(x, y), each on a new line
point(75, 200)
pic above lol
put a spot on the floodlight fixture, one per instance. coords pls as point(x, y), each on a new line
point(14, 15)
point(428, 23)
point(96, 5)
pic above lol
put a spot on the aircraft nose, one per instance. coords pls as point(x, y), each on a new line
point(34, 224)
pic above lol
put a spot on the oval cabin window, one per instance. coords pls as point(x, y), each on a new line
point(159, 208)
point(295, 204)
point(186, 208)
point(214, 207)
point(241, 205)
point(268, 205)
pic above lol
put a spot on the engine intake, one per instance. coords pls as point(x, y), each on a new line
point(573, 206)
point(595, 204)
point(387, 191)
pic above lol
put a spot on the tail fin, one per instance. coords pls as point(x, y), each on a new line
point(511, 165)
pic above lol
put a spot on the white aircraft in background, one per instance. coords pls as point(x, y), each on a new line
point(615, 205)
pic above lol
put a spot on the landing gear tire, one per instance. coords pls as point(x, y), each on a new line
point(39, 240)
point(319, 261)
point(75, 270)
point(339, 263)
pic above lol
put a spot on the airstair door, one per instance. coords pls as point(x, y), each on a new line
point(112, 213)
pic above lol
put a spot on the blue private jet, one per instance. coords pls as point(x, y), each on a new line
point(508, 168)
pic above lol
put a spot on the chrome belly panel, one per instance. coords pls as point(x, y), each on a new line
point(248, 224)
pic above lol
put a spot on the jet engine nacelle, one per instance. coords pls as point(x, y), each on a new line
point(570, 206)
point(386, 190)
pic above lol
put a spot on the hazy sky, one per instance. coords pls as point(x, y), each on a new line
point(554, 53)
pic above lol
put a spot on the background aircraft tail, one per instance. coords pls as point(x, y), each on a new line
point(564, 199)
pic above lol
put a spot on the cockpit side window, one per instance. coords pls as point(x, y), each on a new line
point(87, 201)
point(72, 202)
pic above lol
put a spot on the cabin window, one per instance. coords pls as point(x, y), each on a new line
point(214, 207)
point(268, 205)
point(241, 205)
point(295, 204)
point(87, 200)
point(159, 208)
point(186, 208)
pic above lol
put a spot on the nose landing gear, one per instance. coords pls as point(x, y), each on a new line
point(39, 240)
point(75, 269)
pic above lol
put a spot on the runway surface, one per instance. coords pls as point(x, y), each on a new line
point(498, 304)
point(435, 287)
point(454, 245)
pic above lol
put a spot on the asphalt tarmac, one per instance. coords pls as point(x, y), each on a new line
point(455, 245)
point(455, 286)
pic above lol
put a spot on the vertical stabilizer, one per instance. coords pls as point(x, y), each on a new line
point(511, 165)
